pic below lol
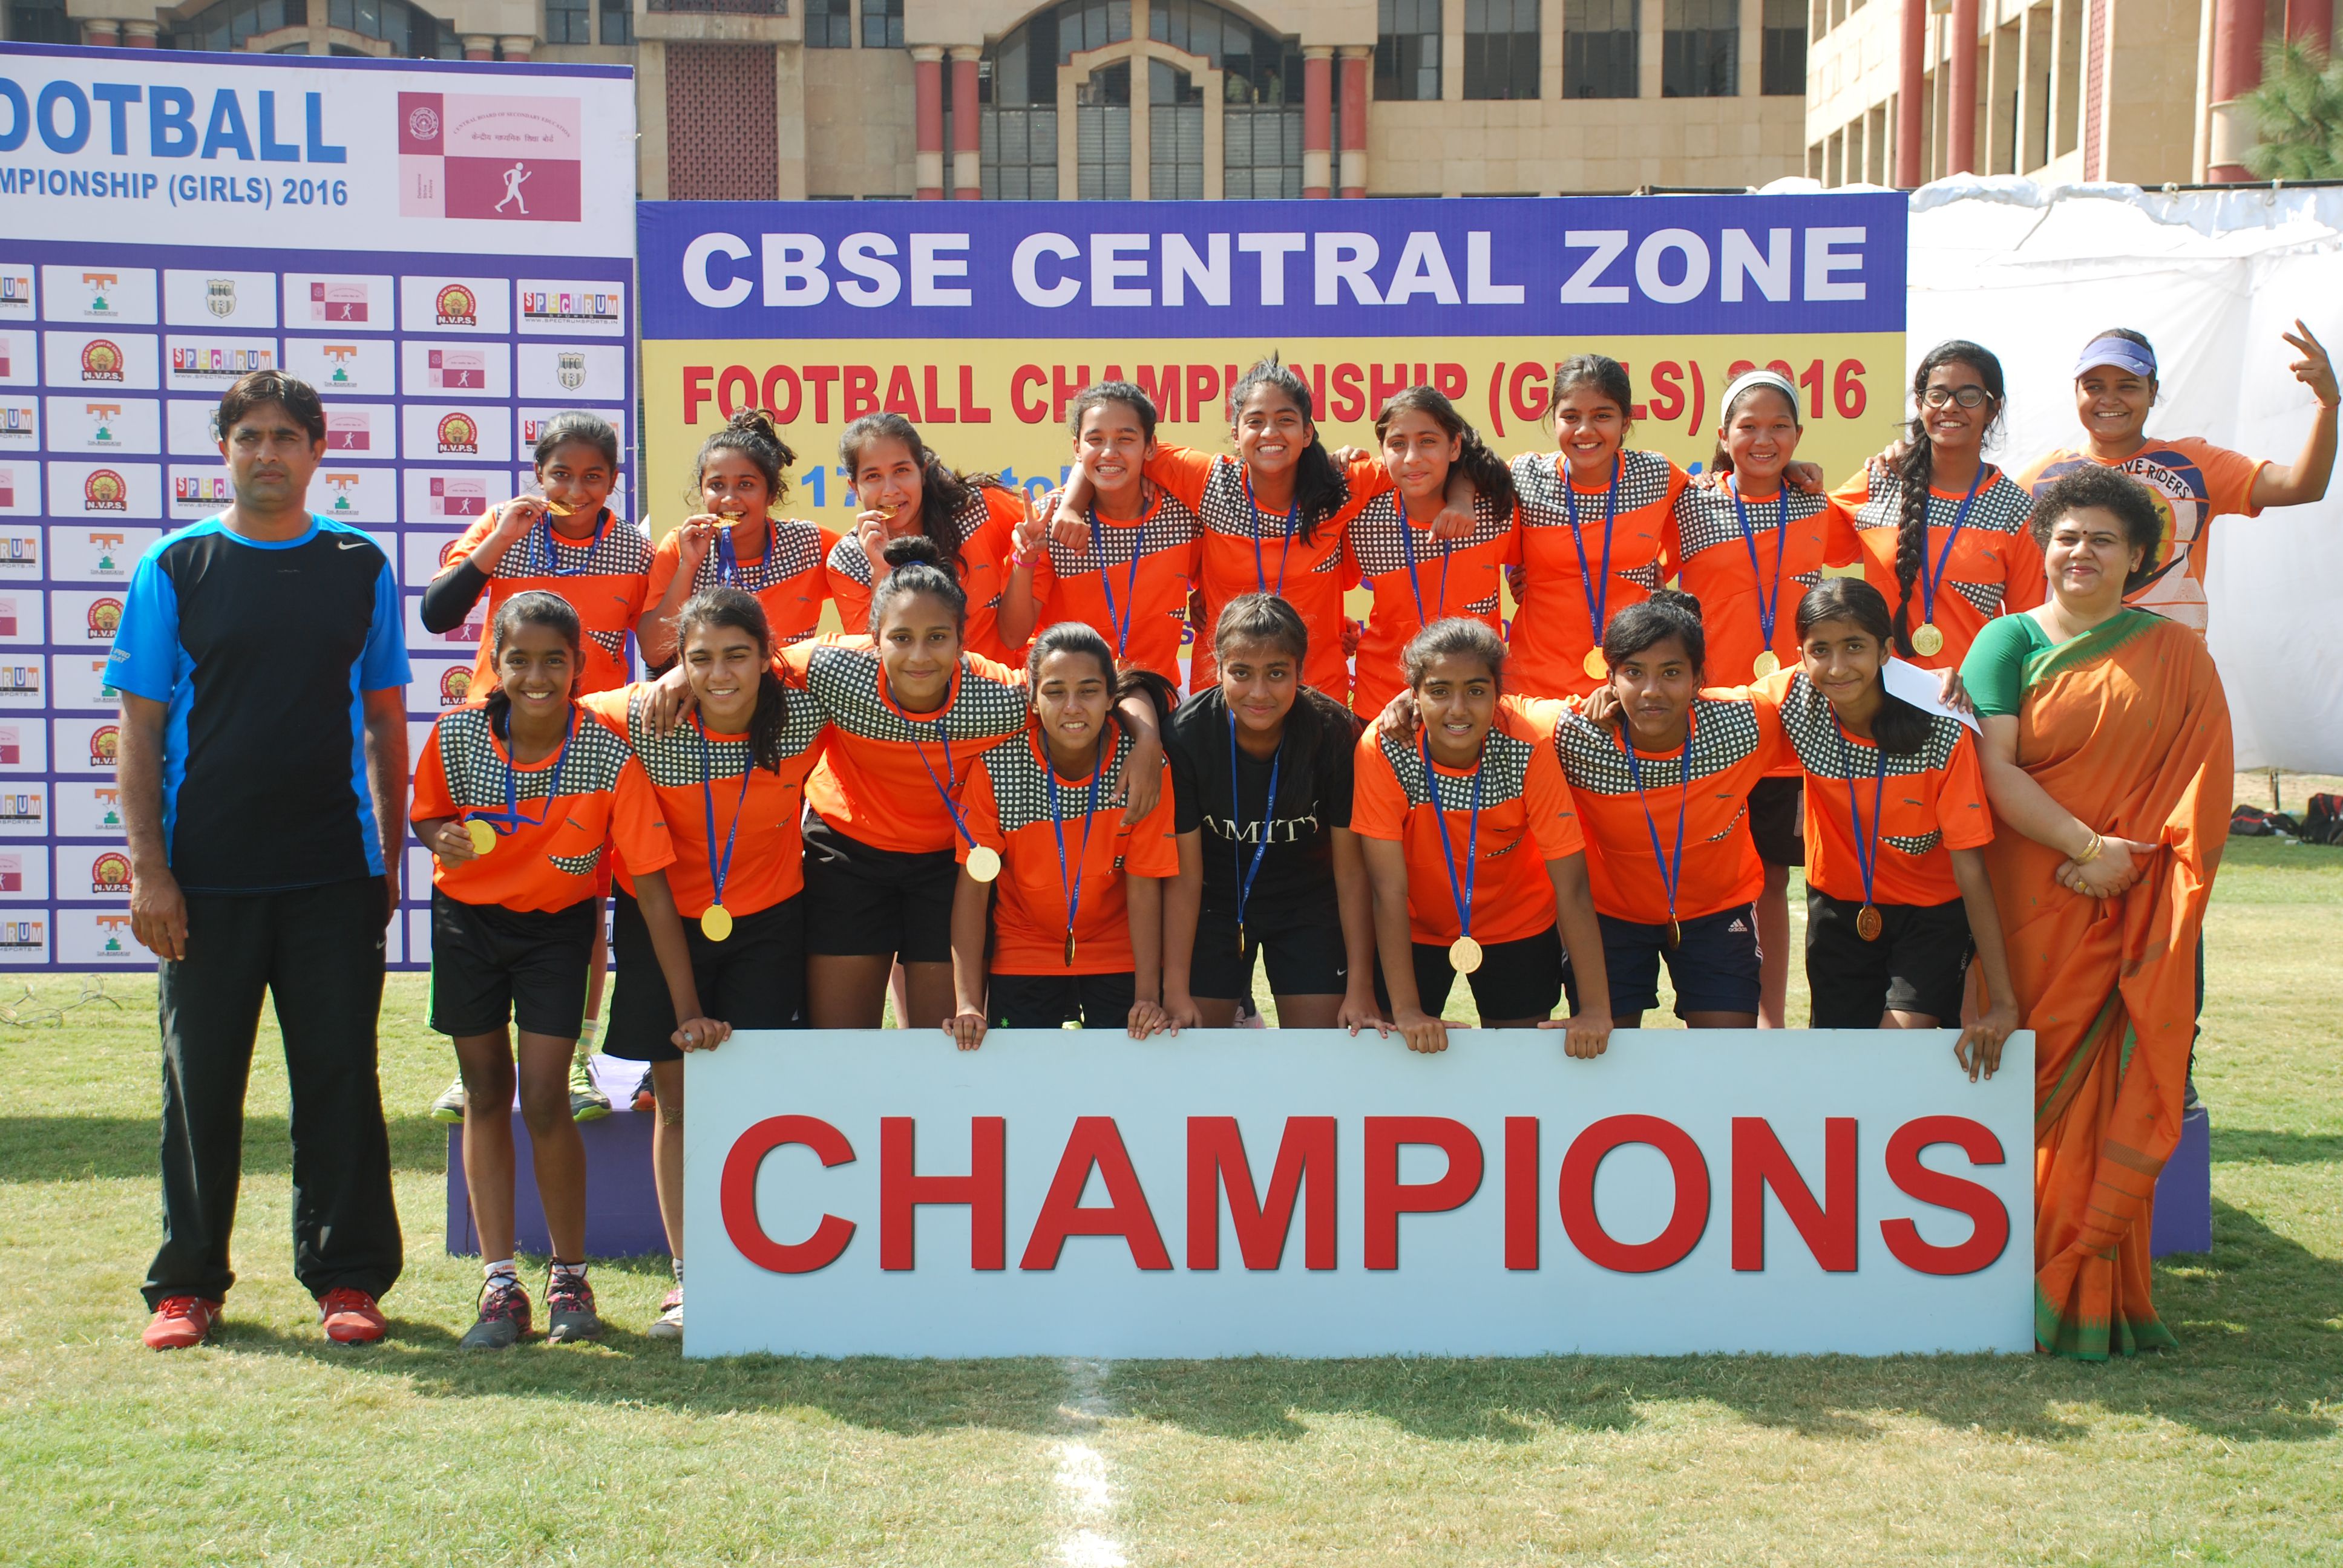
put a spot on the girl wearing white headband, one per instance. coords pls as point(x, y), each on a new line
point(1749, 547)
point(2192, 480)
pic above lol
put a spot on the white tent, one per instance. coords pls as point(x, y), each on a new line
point(2031, 270)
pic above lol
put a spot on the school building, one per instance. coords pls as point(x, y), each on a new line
point(1104, 99)
point(1900, 91)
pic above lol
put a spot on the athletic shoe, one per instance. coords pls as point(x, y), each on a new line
point(569, 1313)
point(669, 1324)
point(181, 1321)
point(350, 1317)
point(503, 1316)
point(450, 1106)
point(587, 1103)
point(645, 1100)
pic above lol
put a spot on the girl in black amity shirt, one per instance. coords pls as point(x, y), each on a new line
point(1260, 772)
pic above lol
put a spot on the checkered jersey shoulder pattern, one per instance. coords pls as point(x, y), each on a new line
point(1538, 480)
point(676, 762)
point(846, 558)
point(624, 549)
point(477, 771)
point(846, 683)
point(793, 550)
point(1228, 513)
point(1822, 748)
point(2003, 506)
point(1706, 518)
point(1725, 734)
point(1172, 526)
point(1504, 767)
point(1022, 794)
point(1379, 532)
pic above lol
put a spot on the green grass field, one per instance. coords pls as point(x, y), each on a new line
point(271, 1447)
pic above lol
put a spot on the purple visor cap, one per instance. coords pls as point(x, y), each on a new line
point(2120, 352)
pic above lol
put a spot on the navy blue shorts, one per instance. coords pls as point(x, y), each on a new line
point(1715, 969)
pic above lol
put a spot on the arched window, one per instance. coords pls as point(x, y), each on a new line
point(1261, 92)
point(408, 32)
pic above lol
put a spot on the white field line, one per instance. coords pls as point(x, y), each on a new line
point(1083, 1484)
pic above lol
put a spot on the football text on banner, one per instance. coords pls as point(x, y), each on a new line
point(417, 240)
point(1316, 1194)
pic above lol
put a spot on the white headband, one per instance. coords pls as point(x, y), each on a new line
point(1774, 379)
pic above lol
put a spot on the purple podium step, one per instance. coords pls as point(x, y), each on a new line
point(622, 1216)
point(2183, 1219)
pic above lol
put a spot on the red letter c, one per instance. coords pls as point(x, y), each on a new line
point(738, 1194)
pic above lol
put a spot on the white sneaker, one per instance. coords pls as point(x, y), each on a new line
point(669, 1324)
point(450, 1106)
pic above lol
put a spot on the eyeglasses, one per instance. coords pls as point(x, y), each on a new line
point(1967, 397)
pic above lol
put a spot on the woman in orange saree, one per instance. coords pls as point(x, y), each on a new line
point(2107, 763)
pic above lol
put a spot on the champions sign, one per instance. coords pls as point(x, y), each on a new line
point(1310, 1193)
point(980, 321)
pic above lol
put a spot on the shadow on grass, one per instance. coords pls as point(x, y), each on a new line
point(2255, 1146)
point(2260, 1358)
point(82, 1148)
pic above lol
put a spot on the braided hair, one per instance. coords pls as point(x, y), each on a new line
point(1914, 472)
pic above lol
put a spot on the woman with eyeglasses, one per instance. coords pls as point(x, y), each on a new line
point(1945, 533)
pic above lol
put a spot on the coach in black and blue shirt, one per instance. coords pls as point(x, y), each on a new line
point(263, 670)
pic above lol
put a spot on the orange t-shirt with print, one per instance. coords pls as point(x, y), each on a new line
point(590, 792)
point(696, 774)
point(1247, 550)
point(1735, 739)
point(2192, 482)
point(1995, 567)
point(986, 524)
point(1417, 580)
point(1741, 579)
point(1555, 627)
point(1130, 584)
point(790, 575)
point(1928, 805)
point(1008, 808)
point(604, 578)
point(889, 778)
point(1527, 817)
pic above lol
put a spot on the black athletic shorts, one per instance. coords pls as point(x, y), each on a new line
point(1052, 1001)
point(1516, 979)
point(876, 900)
point(1305, 958)
point(489, 964)
point(1777, 820)
point(1715, 969)
point(1919, 964)
point(753, 979)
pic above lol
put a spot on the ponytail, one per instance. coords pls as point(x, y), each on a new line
point(533, 608)
point(729, 606)
point(1319, 490)
point(944, 492)
point(915, 566)
point(1489, 474)
point(1914, 473)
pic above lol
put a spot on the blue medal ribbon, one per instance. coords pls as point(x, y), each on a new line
point(1407, 548)
point(1248, 875)
point(1122, 622)
point(1767, 613)
point(541, 539)
point(1671, 871)
point(1931, 582)
point(511, 818)
point(1597, 602)
point(1073, 890)
point(719, 869)
point(960, 823)
point(1461, 892)
point(1285, 553)
point(1866, 850)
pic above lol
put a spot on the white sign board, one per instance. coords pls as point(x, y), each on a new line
point(1311, 1194)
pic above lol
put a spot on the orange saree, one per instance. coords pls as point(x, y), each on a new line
point(2125, 727)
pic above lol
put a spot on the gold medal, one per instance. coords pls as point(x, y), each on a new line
point(1676, 932)
point(984, 862)
point(1927, 642)
point(1464, 955)
point(1594, 665)
point(483, 837)
point(1867, 923)
point(1069, 949)
point(717, 923)
point(1766, 664)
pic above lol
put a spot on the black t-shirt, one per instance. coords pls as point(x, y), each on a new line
point(1296, 882)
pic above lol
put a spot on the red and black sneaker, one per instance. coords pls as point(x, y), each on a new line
point(569, 1313)
point(350, 1317)
point(504, 1316)
point(181, 1321)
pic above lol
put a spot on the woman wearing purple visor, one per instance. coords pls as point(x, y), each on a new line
point(2191, 480)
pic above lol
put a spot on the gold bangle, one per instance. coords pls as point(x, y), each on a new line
point(2091, 854)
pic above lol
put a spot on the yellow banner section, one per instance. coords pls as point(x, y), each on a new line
point(1000, 406)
